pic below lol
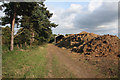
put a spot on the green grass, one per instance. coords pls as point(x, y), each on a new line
point(55, 67)
point(30, 63)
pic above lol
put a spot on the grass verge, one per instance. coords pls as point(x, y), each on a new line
point(28, 63)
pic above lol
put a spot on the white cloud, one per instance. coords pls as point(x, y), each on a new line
point(94, 5)
point(75, 8)
point(111, 28)
point(80, 0)
point(64, 17)
point(99, 17)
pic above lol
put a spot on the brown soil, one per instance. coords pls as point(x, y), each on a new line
point(98, 50)
point(72, 63)
point(49, 64)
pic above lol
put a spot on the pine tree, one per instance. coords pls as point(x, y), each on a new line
point(12, 11)
point(38, 23)
point(34, 17)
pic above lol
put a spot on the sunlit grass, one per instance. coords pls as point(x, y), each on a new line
point(29, 63)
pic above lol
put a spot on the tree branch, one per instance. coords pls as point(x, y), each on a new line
point(19, 32)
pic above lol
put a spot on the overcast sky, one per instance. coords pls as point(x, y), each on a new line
point(93, 16)
point(74, 16)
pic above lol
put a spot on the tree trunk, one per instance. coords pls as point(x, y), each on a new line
point(18, 46)
point(25, 44)
point(12, 32)
point(33, 35)
point(21, 46)
point(32, 38)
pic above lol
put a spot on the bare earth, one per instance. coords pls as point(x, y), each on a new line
point(71, 63)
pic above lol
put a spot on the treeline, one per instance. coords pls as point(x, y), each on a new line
point(32, 18)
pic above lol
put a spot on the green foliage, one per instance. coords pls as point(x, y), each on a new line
point(20, 8)
point(67, 34)
point(39, 23)
point(52, 38)
point(6, 36)
point(34, 19)
point(54, 35)
point(23, 37)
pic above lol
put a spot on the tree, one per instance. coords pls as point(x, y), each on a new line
point(12, 11)
point(6, 36)
point(42, 23)
point(38, 23)
point(23, 38)
point(35, 18)
point(66, 34)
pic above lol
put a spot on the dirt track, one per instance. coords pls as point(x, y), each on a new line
point(71, 63)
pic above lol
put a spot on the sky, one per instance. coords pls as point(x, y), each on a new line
point(75, 16)
point(92, 16)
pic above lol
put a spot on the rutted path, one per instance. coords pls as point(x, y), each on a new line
point(49, 64)
point(74, 66)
